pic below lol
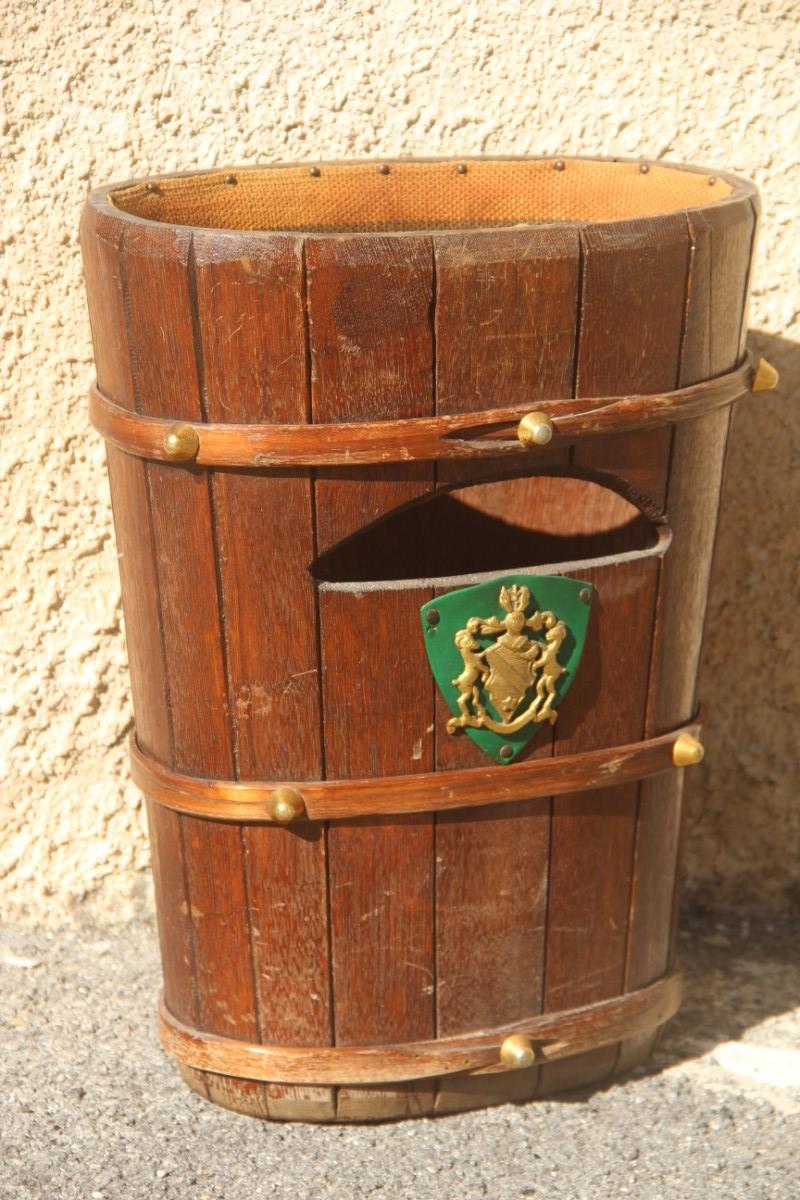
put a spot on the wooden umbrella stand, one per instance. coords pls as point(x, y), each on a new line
point(415, 469)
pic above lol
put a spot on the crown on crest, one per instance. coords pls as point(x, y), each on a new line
point(514, 599)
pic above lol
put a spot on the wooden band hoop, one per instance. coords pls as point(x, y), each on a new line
point(463, 435)
point(554, 1036)
point(435, 791)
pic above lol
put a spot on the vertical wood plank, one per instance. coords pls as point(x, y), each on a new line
point(631, 321)
point(164, 358)
point(506, 309)
point(369, 303)
point(101, 243)
point(371, 359)
point(251, 330)
point(721, 245)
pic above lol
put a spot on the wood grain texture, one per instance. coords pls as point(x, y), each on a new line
point(250, 334)
point(721, 243)
point(167, 364)
point(101, 243)
point(506, 316)
point(371, 347)
point(632, 303)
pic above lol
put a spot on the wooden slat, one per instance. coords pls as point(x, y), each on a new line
point(371, 359)
point(506, 310)
point(251, 331)
point(721, 242)
point(101, 241)
point(166, 372)
point(371, 346)
point(632, 302)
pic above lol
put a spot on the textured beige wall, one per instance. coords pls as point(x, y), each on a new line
point(108, 89)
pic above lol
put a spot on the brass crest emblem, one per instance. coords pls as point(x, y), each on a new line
point(510, 667)
point(503, 673)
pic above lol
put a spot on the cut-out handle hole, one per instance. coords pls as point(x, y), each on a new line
point(492, 527)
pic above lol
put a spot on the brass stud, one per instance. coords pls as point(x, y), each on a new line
point(712, 179)
point(559, 165)
point(152, 188)
point(383, 169)
point(461, 169)
point(314, 172)
point(181, 442)
point(231, 179)
point(433, 617)
point(285, 805)
point(535, 429)
point(644, 168)
point(686, 751)
point(506, 752)
point(766, 377)
point(585, 595)
point(517, 1052)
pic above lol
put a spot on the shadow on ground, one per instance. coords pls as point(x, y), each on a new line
point(93, 1110)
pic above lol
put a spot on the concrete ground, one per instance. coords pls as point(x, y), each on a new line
point(93, 1110)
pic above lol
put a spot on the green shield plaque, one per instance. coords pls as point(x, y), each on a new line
point(504, 654)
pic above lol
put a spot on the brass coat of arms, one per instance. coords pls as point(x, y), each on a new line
point(511, 665)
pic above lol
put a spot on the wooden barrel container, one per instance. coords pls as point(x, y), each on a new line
point(315, 383)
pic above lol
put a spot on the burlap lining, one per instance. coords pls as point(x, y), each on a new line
point(353, 197)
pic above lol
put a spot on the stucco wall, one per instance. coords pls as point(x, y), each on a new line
point(106, 90)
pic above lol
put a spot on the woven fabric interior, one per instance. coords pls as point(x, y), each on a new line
point(354, 197)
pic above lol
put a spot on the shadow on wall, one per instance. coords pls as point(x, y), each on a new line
point(743, 845)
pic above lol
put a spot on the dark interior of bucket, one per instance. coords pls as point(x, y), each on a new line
point(508, 524)
point(415, 194)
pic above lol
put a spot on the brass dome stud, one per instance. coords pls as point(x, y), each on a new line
point(285, 805)
point(766, 377)
point(181, 442)
point(686, 751)
point(517, 1052)
point(535, 429)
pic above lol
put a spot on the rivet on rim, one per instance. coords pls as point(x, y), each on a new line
point(181, 442)
point(152, 188)
point(585, 595)
point(535, 429)
point(432, 616)
point(231, 179)
point(712, 179)
point(644, 168)
point(559, 165)
point(461, 169)
point(506, 751)
point(383, 169)
point(314, 172)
